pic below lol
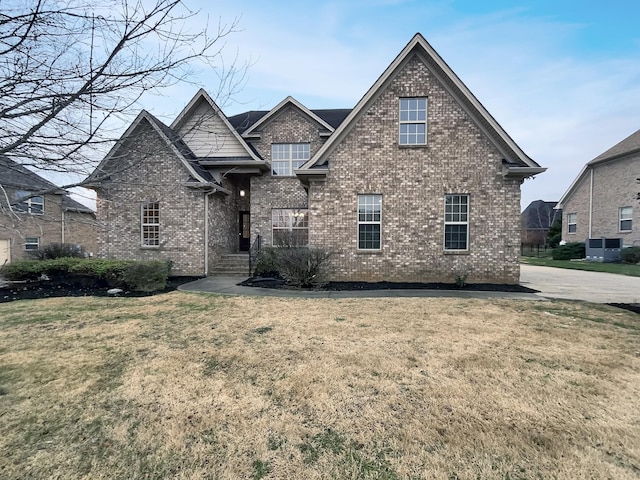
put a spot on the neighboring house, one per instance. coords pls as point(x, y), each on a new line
point(603, 201)
point(34, 212)
point(418, 182)
point(536, 220)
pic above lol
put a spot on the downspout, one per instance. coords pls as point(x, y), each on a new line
point(206, 231)
point(62, 225)
point(590, 202)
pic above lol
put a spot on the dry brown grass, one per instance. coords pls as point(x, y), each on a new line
point(193, 386)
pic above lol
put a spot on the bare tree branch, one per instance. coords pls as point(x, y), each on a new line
point(70, 70)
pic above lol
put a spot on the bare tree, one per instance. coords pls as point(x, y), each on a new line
point(71, 71)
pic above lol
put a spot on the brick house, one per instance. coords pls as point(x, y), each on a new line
point(35, 212)
point(603, 200)
point(536, 220)
point(417, 182)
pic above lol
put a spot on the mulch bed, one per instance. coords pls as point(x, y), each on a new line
point(49, 289)
point(271, 282)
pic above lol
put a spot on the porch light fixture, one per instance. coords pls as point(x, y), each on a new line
point(242, 193)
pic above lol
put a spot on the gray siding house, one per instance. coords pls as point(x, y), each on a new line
point(417, 182)
point(603, 201)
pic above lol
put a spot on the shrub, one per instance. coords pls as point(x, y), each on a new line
point(147, 276)
point(569, 251)
point(58, 250)
point(301, 266)
point(630, 255)
point(266, 263)
point(141, 276)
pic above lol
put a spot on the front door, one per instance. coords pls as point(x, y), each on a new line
point(244, 231)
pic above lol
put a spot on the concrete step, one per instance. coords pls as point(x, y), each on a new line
point(232, 264)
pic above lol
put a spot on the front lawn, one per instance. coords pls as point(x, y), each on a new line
point(619, 268)
point(195, 386)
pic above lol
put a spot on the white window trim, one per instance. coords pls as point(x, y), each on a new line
point(27, 243)
point(290, 159)
point(621, 219)
point(368, 222)
point(451, 222)
point(412, 122)
point(574, 223)
point(290, 228)
point(27, 205)
point(144, 225)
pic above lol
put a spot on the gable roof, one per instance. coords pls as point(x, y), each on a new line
point(71, 205)
point(16, 175)
point(621, 150)
point(628, 146)
point(243, 121)
point(170, 138)
point(203, 96)
point(540, 215)
point(282, 105)
point(516, 162)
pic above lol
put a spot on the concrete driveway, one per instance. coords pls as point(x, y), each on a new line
point(580, 285)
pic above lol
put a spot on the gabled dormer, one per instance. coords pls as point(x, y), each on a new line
point(413, 116)
point(216, 144)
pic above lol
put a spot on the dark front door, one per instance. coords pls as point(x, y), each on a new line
point(244, 232)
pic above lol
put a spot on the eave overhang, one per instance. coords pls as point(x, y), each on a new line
point(312, 174)
point(513, 171)
point(208, 188)
point(235, 166)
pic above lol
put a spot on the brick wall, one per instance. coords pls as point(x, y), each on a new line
point(614, 186)
point(154, 174)
point(81, 229)
point(269, 192)
point(413, 181)
point(17, 226)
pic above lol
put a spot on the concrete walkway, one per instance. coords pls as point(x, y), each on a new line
point(593, 287)
point(228, 286)
point(551, 282)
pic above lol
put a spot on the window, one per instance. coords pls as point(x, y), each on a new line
point(369, 222)
point(456, 222)
point(150, 222)
point(572, 220)
point(286, 157)
point(626, 216)
point(33, 204)
point(32, 243)
point(290, 226)
point(413, 121)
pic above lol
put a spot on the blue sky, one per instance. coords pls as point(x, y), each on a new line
point(561, 76)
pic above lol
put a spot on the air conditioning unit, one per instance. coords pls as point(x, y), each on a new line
point(603, 249)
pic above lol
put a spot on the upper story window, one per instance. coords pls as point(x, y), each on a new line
point(625, 215)
point(456, 222)
point(290, 227)
point(369, 222)
point(413, 121)
point(286, 157)
point(150, 224)
point(572, 222)
point(33, 205)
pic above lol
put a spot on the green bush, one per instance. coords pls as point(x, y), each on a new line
point(266, 263)
point(147, 276)
point(569, 251)
point(141, 276)
point(631, 255)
